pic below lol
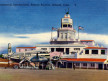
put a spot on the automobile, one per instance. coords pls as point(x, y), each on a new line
point(8, 64)
point(55, 58)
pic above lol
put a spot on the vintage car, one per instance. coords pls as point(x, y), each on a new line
point(8, 63)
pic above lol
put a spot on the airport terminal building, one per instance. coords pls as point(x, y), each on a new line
point(81, 53)
point(71, 51)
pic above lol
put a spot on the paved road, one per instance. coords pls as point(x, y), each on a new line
point(53, 75)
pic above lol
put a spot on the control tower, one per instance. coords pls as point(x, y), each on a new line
point(66, 33)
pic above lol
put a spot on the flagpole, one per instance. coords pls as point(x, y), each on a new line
point(78, 32)
point(79, 28)
point(51, 34)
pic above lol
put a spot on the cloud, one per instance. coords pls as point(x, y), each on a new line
point(103, 39)
point(33, 39)
point(23, 39)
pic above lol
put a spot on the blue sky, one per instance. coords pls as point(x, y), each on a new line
point(91, 14)
point(20, 20)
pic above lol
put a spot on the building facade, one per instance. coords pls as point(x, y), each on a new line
point(81, 53)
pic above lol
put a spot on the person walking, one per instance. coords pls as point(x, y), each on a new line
point(74, 66)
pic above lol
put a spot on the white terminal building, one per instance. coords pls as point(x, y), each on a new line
point(81, 53)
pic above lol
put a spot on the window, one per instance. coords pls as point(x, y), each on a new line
point(84, 64)
point(62, 35)
point(25, 49)
point(66, 20)
point(43, 48)
point(67, 50)
point(64, 25)
point(103, 52)
point(58, 34)
point(52, 49)
point(92, 65)
point(76, 48)
point(19, 50)
point(77, 64)
point(68, 25)
point(66, 35)
point(86, 51)
point(60, 49)
point(94, 51)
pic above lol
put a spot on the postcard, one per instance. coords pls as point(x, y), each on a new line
point(53, 40)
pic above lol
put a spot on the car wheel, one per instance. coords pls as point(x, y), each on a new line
point(15, 67)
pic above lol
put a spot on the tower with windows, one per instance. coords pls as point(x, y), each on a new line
point(9, 49)
point(66, 33)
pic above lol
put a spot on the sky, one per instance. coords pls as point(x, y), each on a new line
point(28, 24)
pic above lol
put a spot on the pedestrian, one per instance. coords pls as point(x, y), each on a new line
point(74, 66)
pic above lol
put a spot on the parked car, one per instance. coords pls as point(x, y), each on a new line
point(8, 63)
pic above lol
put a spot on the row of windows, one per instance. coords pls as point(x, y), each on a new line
point(25, 49)
point(43, 48)
point(85, 64)
point(67, 25)
point(65, 35)
point(62, 35)
point(76, 48)
point(94, 51)
point(62, 49)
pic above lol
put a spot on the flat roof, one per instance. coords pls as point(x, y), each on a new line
point(61, 45)
point(25, 47)
point(84, 59)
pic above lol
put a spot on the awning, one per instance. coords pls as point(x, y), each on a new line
point(83, 59)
